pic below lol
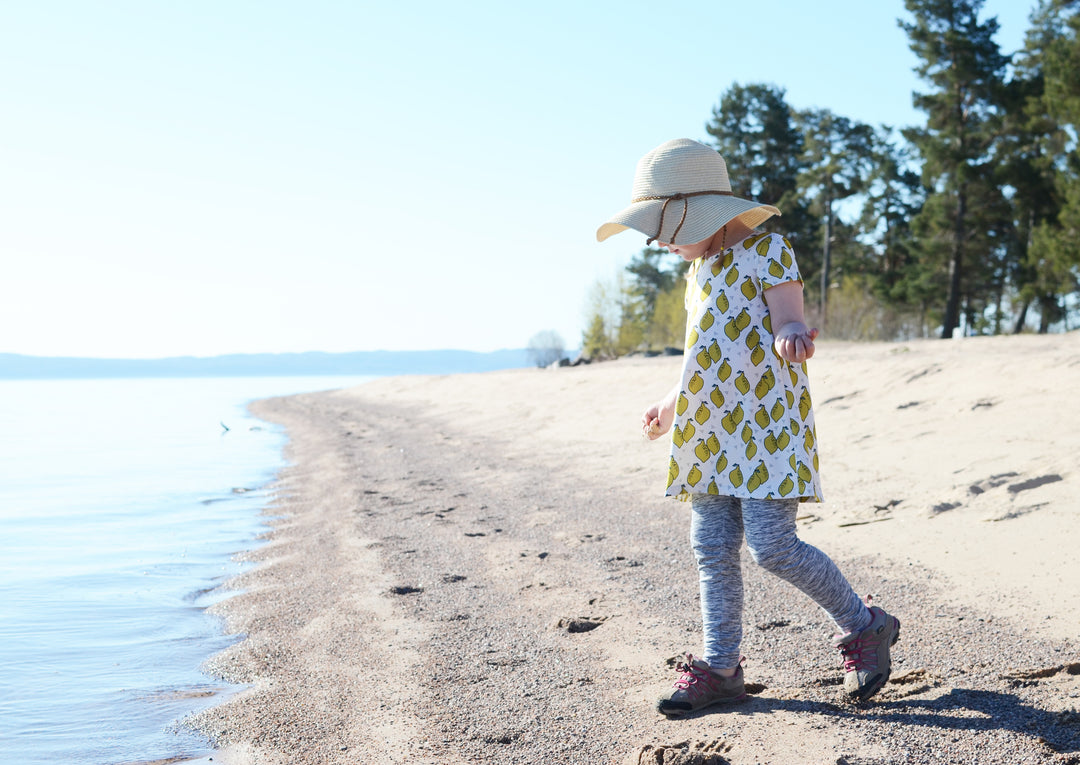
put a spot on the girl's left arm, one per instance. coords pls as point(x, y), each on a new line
point(793, 340)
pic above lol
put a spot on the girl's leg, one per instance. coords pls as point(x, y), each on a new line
point(716, 529)
point(774, 544)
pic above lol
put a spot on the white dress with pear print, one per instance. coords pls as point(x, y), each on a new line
point(744, 425)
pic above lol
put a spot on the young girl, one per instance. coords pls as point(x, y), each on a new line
point(743, 448)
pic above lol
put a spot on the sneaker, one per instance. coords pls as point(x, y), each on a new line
point(699, 687)
point(867, 663)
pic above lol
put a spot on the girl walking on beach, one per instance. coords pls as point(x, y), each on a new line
point(743, 448)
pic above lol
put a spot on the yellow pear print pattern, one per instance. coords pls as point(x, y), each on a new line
point(744, 420)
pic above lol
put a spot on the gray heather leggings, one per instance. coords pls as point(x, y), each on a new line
point(716, 532)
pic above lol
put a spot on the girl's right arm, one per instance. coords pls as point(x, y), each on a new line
point(794, 340)
point(658, 418)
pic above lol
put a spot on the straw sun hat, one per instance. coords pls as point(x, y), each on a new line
point(682, 195)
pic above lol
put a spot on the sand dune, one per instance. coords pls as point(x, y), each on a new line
point(480, 568)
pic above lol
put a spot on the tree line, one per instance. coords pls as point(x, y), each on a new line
point(967, 223)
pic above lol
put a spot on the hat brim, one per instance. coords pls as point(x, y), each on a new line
point(705, 215)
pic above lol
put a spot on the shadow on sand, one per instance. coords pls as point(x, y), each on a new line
point(959, 709)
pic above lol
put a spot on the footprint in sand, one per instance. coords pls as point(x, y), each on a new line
point(579, 624)
point(776, 624)
point(944, 507)
point(909, 683)
point(684, 753)
point(1033, 483)
point(1032, 676)
point(991, 483)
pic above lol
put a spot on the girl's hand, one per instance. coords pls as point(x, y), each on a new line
point(795, 343)
point(657, 419)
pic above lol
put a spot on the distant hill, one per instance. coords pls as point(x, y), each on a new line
point(18, 367)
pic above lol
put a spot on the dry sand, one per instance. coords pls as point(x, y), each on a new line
point(480, 568)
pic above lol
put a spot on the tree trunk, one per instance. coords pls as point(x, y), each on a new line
point(825, 263)
point(956, 263)
point(999, 298)
point(1049, 310)
point(1021, 319)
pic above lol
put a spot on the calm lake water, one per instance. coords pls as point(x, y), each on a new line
point(122, 504)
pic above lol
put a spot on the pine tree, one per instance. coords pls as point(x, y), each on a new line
point(1054, 255)
point(755, 132)
point(652, 272)
point(627, 331)
point(894, 196)
point(963, 64)
point(836, 164)
point(1030, 164)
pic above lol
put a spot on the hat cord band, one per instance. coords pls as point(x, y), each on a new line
point(686, 206)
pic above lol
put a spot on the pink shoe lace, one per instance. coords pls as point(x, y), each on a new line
point(696, 680)
point(852, 651)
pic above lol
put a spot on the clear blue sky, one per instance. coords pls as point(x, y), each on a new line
point(241, 176)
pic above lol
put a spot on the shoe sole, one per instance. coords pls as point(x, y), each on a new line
point(681, 712)
point(869, 691)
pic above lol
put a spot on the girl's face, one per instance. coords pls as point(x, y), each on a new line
point(689, 252)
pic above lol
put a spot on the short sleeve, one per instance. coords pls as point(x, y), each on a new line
point(776, 264)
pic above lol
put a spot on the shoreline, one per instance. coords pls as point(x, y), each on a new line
point(479, 568)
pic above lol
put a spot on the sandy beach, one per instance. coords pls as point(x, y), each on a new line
point(482, 568)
